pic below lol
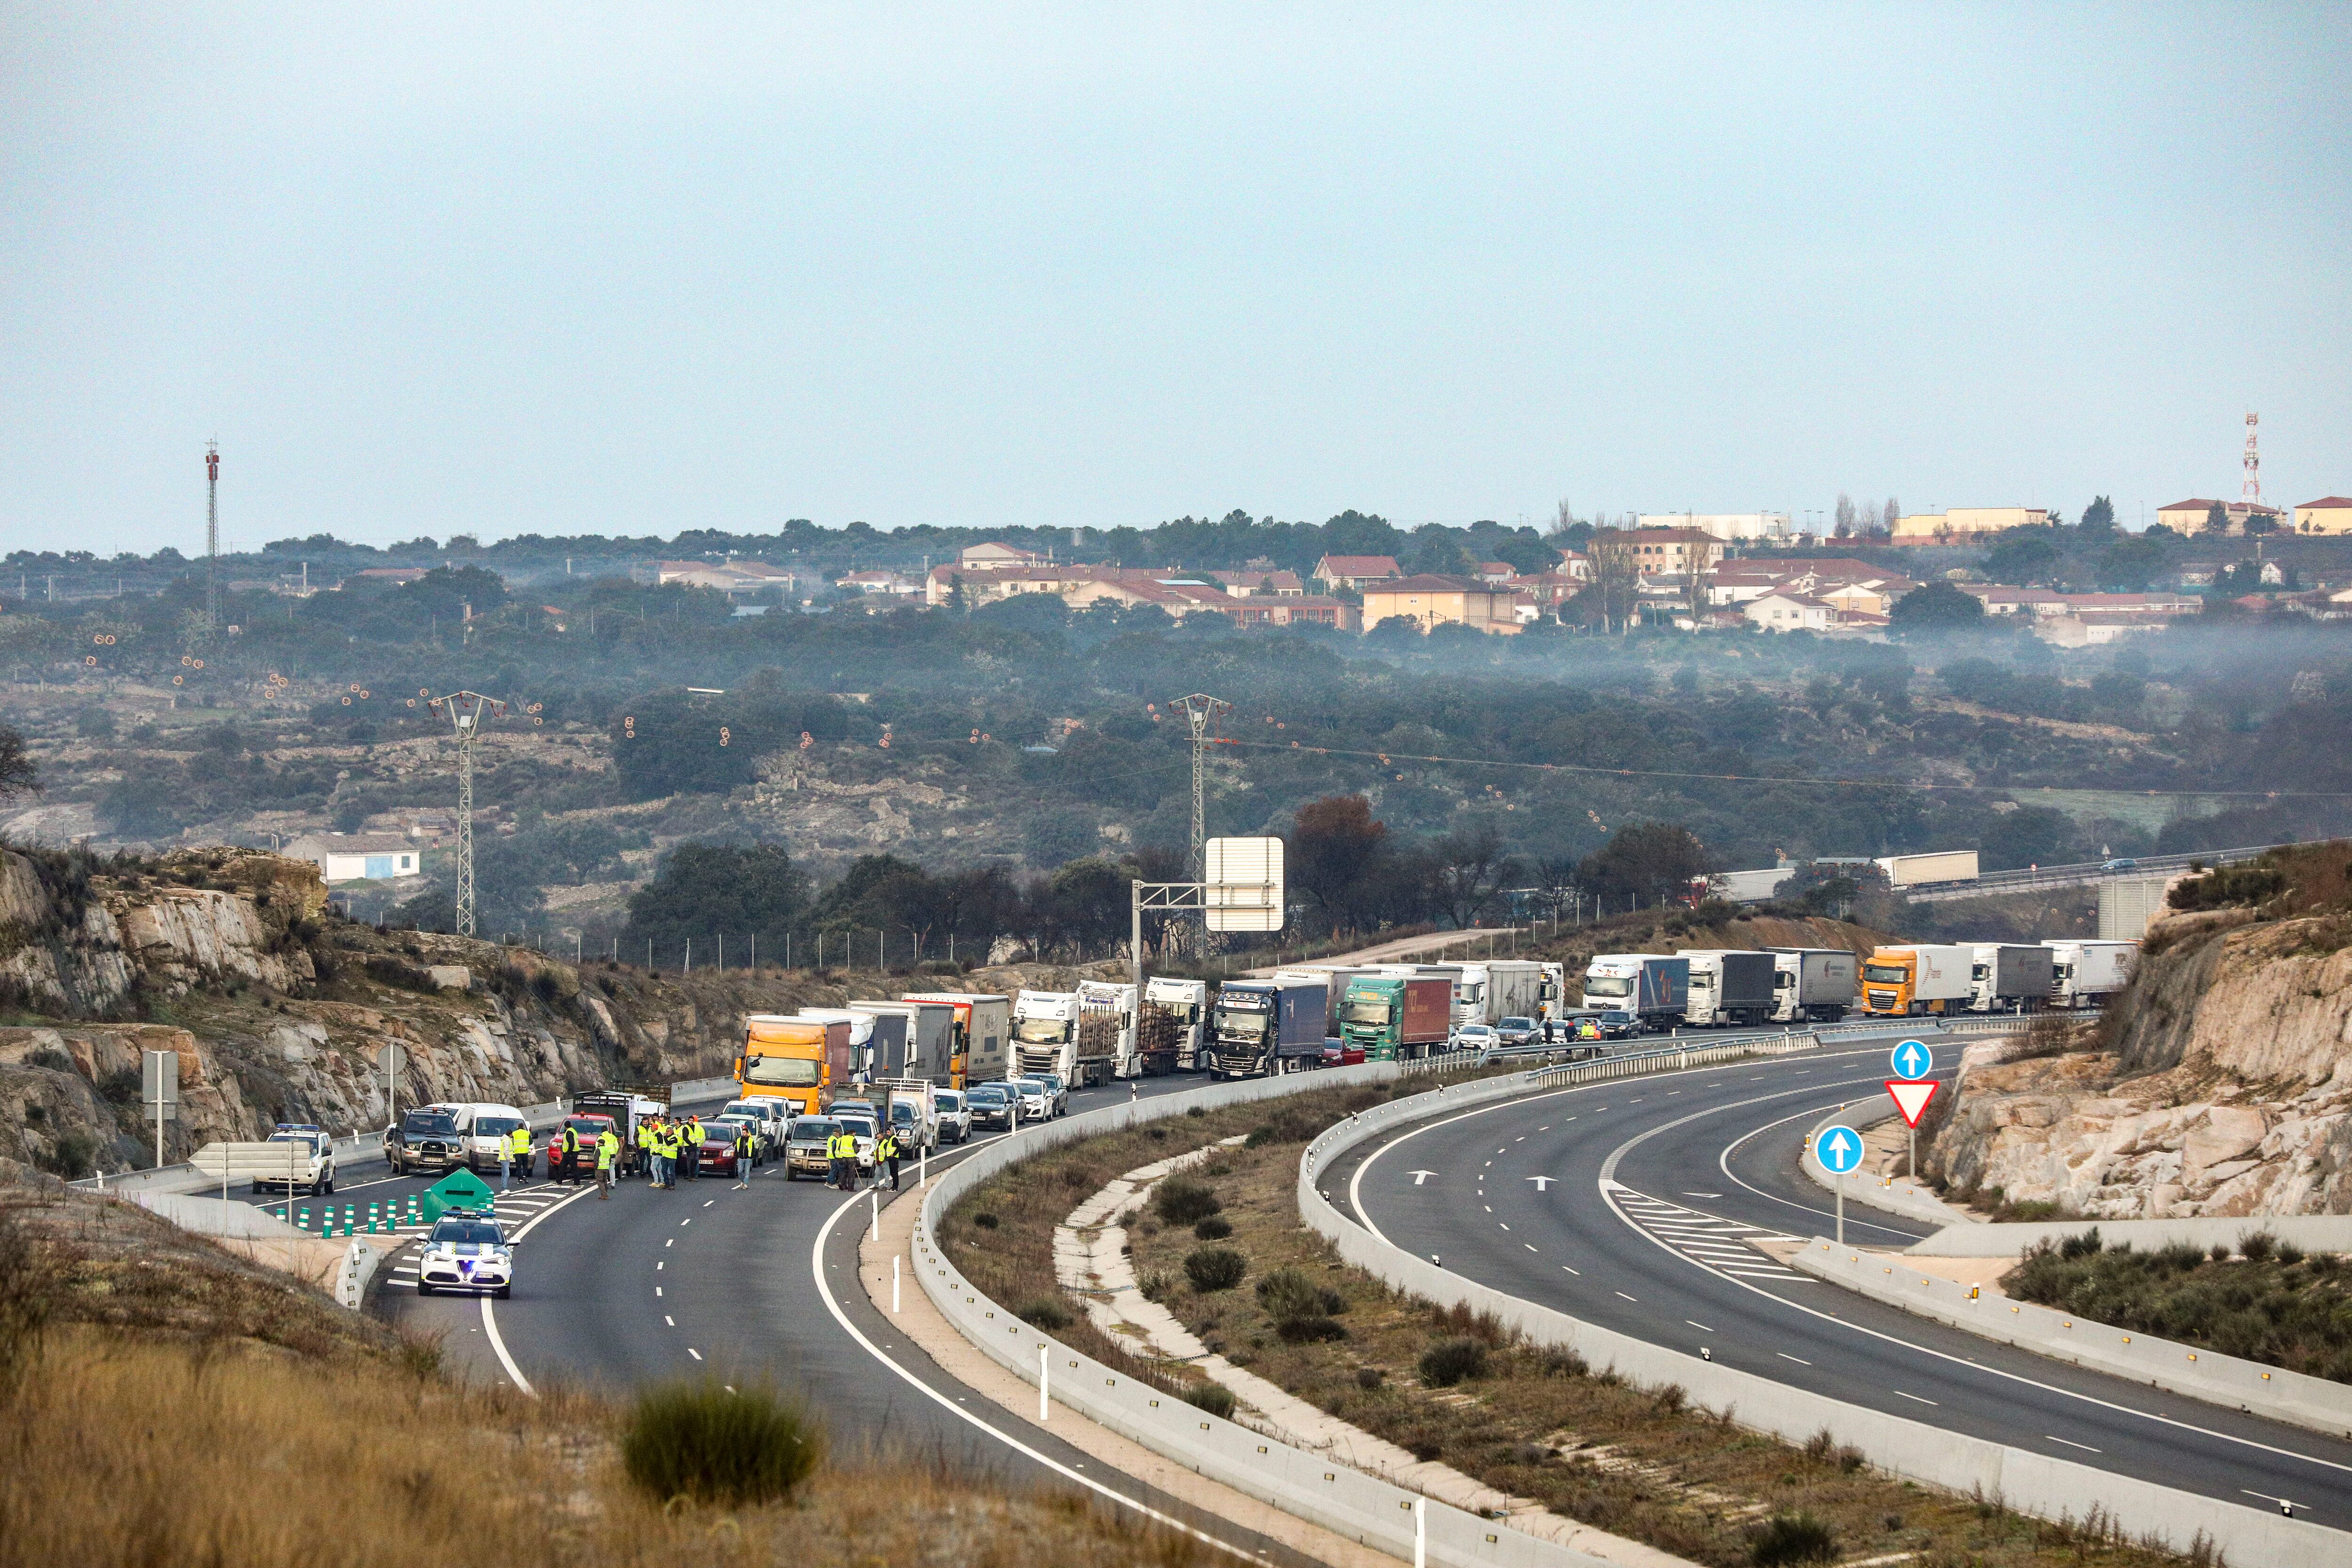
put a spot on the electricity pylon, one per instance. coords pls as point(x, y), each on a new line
point(1200, 712)
point(467, 711)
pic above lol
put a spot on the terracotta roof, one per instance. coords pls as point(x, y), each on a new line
point(2331, 502)
point(1361, 566)
point(2196, 502)
point(1672, 535)
point(1430, 583)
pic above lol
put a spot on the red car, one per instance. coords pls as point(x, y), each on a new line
point(718, 1154)
point(581, 1164)
point(1337, 1055)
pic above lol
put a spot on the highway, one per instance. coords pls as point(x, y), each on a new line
point(1635, 1204)
point(756, 1283)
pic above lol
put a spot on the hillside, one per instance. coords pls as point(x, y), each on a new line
point(2220, 1083)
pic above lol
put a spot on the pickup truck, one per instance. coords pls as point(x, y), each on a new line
point(425, 1140)
point(299, 1160)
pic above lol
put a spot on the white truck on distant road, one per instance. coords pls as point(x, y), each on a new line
point(2006, 975)
point(2085, 974)
point(1937, 865)
point(1105, 1040)
point(1728, 985)
point(1812, 984)
point(1044, 1034)
point(1174, 1024)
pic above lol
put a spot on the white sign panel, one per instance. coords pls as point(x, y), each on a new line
point(1245, 888)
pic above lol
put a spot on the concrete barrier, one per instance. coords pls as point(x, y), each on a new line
point(2029, 1482)
point(2282, 1395)
point(2015, 1238)
point(359, 1262)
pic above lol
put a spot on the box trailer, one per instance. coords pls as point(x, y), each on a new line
point(1397, 1017)
point(1812, 984)
point(929, 1041)
point(2005, 976)
point(1902, 981)
point(1334, 980)
point(983, 1022)
point(1749, 887)
point(2084, 973)
point(1729, 985)
point(1936, 865)
point(1268, 1027)
point(1514, 989)
point(1652, 986)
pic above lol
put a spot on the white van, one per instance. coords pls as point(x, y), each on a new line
point(483, 1130)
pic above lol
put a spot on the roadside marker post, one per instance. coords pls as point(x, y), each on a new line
point(1840, 1151)
point(1912, 1062)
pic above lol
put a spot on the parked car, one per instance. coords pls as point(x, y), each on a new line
point(483, 1130)
point(867, 1131)
point(955, 1116)
point(424, 1140)
point(906, 1123)
point(804, 1148)
point(1057, 1091)
point(1519, 1032)
point(1341, 1054)
point(772, 1116)
point(1473, 1037)
point(580, 1165)
point(467, 1252)
point(991, 1104)
point(1617, 1024)
point(718, 1155)
point(724, 1126)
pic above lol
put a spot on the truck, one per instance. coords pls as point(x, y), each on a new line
point(1174, 1025)
point(929, 1035)
point(1267, 1027)
point(1729, 985)
point(1507, 988)
point(1812, 984)
point(2085, 974)
point(1937, 865)
point(2003, 975)
point(624, 1107)
point(1652, 986)
point(1397, 1017)
point(791, 1058)
point(1334, 981)
point(918, 1126)
point(1903, 982)
point(1106, 1033)
point(1555, 993)
point(1748, 886)
point(977, 1043)
point(1045, 1034)
point(1457, 1010)
point(861, 1034)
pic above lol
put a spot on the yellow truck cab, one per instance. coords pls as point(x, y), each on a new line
point(798, 1059)
point(1903, 982)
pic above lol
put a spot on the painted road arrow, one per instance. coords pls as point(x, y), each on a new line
point(1911, 1098)
point(1419, 1176)
point(1542, 1181)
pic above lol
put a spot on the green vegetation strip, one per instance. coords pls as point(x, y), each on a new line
point(2272, 1303)
point(1223, 1248)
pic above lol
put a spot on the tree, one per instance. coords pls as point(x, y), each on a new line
point(1616, 576)
point(2217, 520)
point(141, 806)
point(1655, 860)
point(1894, 512)
point(1555, 875)
point(2259, 523)
point(2020, 557)
point(2129, 564)
point(1936, 604)
point(1472, 867)
point(1526, 554)
point(19, 774)
point(2099, 517)
point(1439, 550)
point(1844, 514)
point(701, 891)
point(1334, 842)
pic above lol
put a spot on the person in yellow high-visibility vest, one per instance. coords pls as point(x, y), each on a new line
point(690, 1142)
point(665, 1147)
point(518, 1155)
point(645, 1139)
point(608, 1152)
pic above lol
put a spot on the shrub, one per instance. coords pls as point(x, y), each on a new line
point(1825, 1449)
point(1179, 1201)
point(2082, 1244)
point(1045, 1313)
point(121, 1087)
point(1450, 1361)
point(73, 1158)
point(1558, 1360)
point(1368, 1377)
point(49, 1056)
point(1670, 1399)
point(1213, 1397)
point(985, 1221)
point(2258, 1245)
point(698, 1441)
point(1214, 1228)
point(1290, 1293)
point(1792, 1537)
point(1215, 1268)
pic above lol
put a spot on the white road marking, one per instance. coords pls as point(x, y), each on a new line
point(2088, 1449)
point(1910, 1397)
point(1629, 1297)
point(670, 1321)
point(1800, 1361)
point(695, 1353)
point(658, 1290)
point(1702, 1328)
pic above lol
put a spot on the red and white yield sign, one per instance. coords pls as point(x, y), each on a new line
point(1911, 1096)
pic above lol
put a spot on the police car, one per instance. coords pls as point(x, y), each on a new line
point(466, 1251)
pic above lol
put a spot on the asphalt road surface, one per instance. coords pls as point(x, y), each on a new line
point(1634, 1205)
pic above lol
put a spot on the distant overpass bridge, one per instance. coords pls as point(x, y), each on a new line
point(2146, 867)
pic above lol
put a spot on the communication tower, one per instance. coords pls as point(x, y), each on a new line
point(2253, 492)
point(212, 534)
point(467, 710)
point(1200, 713)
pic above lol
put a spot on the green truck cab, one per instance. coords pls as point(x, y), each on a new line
point(1397, 1017)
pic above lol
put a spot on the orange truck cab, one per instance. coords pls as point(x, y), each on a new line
point(801, 1060)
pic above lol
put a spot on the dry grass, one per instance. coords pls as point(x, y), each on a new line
point(1538, 1424)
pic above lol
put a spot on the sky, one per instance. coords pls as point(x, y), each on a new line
point(566, 268)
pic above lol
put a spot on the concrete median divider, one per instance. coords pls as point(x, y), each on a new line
point(2274, 1391)
point(1364, 1508)
point(2027, 1482)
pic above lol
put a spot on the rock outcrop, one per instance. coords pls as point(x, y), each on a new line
point(2219, 1084)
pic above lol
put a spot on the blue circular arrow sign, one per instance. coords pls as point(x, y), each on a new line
point(1911, 1060)
point(1839, 1149)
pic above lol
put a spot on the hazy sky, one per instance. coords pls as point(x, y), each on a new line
point(506, 269)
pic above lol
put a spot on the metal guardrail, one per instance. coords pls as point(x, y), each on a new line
point(2077, 874)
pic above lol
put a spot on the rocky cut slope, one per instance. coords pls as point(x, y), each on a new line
point(280, 1011)
point(2220, 1083)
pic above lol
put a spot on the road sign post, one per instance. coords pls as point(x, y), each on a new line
point(1840, 1151)
point(390, 1058)
point(1912, 1062)
point(159, 1086)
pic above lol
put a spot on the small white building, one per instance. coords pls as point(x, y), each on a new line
point(359, 857)
point(1781, 611)
point(1729, 525)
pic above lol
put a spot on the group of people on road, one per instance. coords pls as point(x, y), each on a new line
point(564, 1152)
point(841, 1157)
point(672, 1145)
